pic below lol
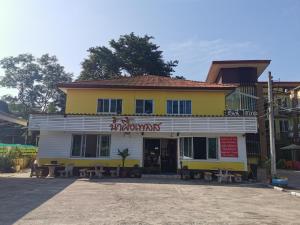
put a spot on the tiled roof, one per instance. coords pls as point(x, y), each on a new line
point(146, 82)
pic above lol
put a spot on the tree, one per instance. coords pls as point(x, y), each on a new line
point(36, 80)
point(4, 107)
point(130, 54)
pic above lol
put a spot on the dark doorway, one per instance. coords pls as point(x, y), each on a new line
point(160, 155)
point(152, 155)
point(168, 155)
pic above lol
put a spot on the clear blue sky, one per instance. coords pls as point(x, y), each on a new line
point(194, 32)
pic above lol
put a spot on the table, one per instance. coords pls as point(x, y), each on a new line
point(51, 168)
point(91, 173)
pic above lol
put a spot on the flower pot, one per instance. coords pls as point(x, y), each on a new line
point(281, 182)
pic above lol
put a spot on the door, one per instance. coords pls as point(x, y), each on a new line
point(168, 155)
point(152, 155)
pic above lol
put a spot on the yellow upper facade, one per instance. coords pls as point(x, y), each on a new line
point(202, 102)
point(163, 93)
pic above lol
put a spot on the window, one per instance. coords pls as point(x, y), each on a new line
point(76, 145)
point(109, 106)
point(186, 147)
point(90, 146)
point(104, 145)
point(179, 107)
point(199, 148)
point(212, 148)
point(144, 106)
point(284, 126)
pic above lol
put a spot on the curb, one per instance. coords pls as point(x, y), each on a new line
point(284, 190)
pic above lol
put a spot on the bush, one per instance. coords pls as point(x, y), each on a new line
point(280, 164)
point(7, 162)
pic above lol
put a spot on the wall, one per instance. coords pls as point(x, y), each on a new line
point(57, 146)
point(203, 102)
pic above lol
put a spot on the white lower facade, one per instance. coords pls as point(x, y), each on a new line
point(56, 144)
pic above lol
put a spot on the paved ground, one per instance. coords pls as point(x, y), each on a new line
point(293, 176)
point(141, 201)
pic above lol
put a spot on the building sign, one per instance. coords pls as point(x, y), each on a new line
point(229, 147)
point(242, 112)
point(127, 125)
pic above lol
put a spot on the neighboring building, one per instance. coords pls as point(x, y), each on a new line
point(252, 95)
point(13, 130)
point(164, 122)
point(247, 98)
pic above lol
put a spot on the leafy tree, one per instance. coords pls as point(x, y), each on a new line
point(101, 64)
point(4, 107)
point(36, 80)
point(130, 54)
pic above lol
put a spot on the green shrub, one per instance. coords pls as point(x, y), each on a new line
point(280, 164)
point(7, 162)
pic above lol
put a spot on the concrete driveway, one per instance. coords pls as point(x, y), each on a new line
point(141, 201)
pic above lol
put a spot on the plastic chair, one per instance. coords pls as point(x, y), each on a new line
point(99, 171)
point(67, 172)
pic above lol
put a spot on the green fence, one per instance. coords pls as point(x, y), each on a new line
point(24, 150)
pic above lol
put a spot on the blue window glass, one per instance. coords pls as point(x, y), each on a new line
point(105, 105)
point(113, 105)
point(188, 107)
point(182, 107)
point(100, 105)
point(148, 106)
point(139, 106)
point(175, 107)
point(119, 106)
point(169, 107)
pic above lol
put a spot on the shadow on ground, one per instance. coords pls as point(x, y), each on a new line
point(19, 196)
point(172, 181)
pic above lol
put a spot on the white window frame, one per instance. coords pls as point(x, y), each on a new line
point(83, 145)
point(192, 150)
point(185, 100)
point(109, 105)
point(143, 113)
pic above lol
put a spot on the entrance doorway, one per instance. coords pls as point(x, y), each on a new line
point(160, 155)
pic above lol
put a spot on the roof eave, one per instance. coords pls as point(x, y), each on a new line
point(215, 67)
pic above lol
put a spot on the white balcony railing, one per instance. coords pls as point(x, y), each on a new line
point(166, 123)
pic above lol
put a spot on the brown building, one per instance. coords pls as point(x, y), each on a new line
point(252, 97)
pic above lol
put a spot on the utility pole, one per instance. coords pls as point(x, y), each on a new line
point(271, 126)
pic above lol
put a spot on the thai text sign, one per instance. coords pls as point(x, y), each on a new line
point(127, 125)
point(229, 146)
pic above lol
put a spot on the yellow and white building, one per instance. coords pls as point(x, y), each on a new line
point(165, 123)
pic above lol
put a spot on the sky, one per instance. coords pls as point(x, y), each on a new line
point(193, 32)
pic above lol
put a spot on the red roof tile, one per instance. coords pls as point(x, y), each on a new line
point(146, 82)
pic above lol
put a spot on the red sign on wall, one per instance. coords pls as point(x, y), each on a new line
point(229, 147)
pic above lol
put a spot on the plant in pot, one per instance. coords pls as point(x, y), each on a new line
point(124, 154)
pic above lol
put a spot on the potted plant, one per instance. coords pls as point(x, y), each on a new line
point(124, 154)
